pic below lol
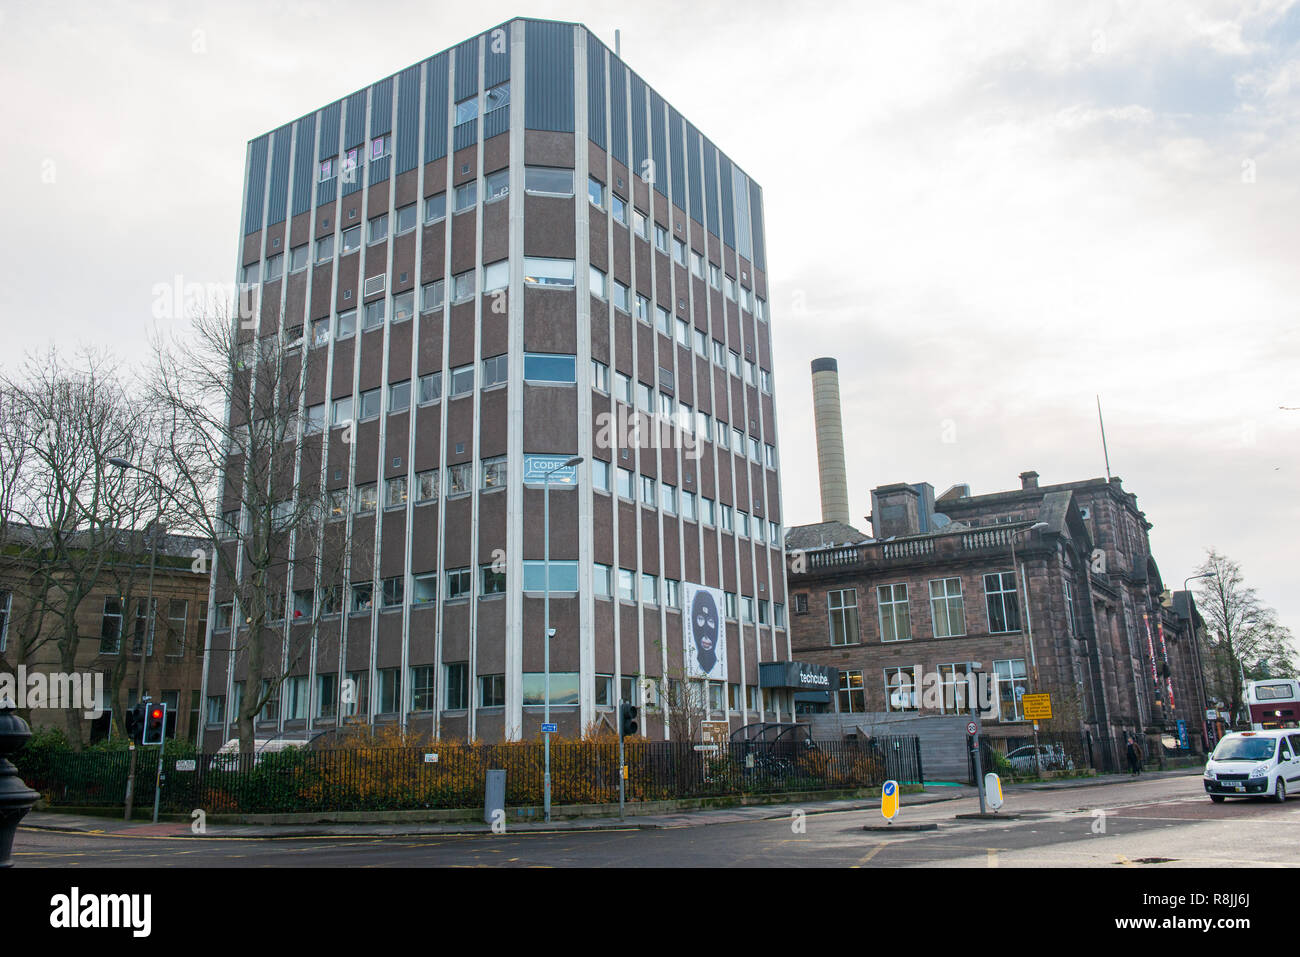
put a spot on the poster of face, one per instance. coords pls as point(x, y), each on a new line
point(704, 633)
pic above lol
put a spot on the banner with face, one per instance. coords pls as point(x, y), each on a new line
point(704, 632)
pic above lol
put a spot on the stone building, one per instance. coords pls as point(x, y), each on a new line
point(113, 609)
point(1081, 612)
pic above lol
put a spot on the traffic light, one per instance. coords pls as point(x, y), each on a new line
point(135, 723)
point(155, 721)
point(626, 720)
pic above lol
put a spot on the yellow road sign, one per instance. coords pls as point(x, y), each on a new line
point(889, 799)
point(1037, 707)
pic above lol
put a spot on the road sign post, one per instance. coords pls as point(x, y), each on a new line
point(973, 729)
point(889, 800)
point(1037, 707)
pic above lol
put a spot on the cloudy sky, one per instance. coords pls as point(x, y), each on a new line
point(1043, 202)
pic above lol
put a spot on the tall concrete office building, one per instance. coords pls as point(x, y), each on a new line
point(501, 258)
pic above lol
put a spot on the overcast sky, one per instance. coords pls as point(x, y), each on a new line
point(1042, 202)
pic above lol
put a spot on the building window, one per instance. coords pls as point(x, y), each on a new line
point(953, 684)
point(618, 206)
point(378, 229)
point(626, 584)
point(110, 628)
point(324, 249)
point(640, 224)
point(327, 695)
point(432, 295)
point(493, 580)
point(395, 492)
point(347, 323)
point(466, 196)
point(462, 286)
point(596, 192)
point(371, 404)
point(1003, 605)
point(668, 498)
point(550, 180)
point(216, 709)
point(406, 217)
point(462, 381)
point(494, 472)
point(599, 376)
point(842, 614)
point(460, 479)
point(367, 498)
point(564, 576)
point(496, 185)
point(424, 589)
point(403, 305)
point(496, 276)
point(602, 580)
point(435, 208)
point(1010, 675)
point(1070, 620)
point(456, 697)
point(548, 367)
point(563, 688)
point(460, 584)
point(852, 693)
point(399, 396)
point(597, 283)
point(495, 370)
point(422, 688)
point(625, 487)
point(600, 475)
point(390, 690)
point(895, 625)
point(363, 595)
point(496, 98)
point(491, 691)
point(539, 271)
point(426, 486)
point(298, 258)
point(661, 238)
point(649, 588)
point(374, 314)
point(177, 615)
point(431, 388)
point(351, 239)
point(900, 689)
point(947, 608)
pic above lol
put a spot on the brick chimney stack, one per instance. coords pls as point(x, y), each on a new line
point(1028, 480)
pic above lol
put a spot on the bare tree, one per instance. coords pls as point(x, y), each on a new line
point(64, 504)
point(245, 468)
point(1245, 638)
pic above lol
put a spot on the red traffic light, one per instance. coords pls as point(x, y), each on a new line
point(157, 713)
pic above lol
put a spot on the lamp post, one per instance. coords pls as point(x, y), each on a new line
point(1029, 628)
point(548, 633)
point(148, 643)
point(1196, 653)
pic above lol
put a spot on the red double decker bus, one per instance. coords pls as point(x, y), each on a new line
point(1273, 703)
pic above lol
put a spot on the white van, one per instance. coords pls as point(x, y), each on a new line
point(1259, 763)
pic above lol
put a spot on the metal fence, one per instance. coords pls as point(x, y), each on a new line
point(452, 775)
point(1015, 757)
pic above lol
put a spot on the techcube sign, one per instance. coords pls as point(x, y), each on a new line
point(807, 678)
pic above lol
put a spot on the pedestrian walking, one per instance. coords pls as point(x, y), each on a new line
point(1134, 765)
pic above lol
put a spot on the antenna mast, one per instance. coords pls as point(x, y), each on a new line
point(1105, 452)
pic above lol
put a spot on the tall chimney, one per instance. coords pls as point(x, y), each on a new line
point(830, 441)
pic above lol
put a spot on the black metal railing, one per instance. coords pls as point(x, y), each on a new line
point(452, 774)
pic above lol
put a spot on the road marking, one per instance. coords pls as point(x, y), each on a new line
point(993, 857)
point(870, 854)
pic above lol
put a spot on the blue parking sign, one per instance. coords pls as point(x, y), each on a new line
point(549, 728)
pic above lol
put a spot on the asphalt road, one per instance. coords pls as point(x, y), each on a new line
point(1166, 822)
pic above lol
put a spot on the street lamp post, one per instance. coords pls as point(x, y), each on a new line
point(1029, 628)
point(148, 642)
point(1196, 653)
point(547, 633)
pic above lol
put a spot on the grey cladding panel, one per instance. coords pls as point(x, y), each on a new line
point(279, 198)
point(659, 139)
point(329, 130)
point(303, 166)
point(679, 157)
point(640, 145)
point(435, 108)
point(548, 82)
point(496, 56)
point(596, 91)
point(618, 110)
point(407, 149)
point(693, 172)
point(728, 209)
point(355, 134)
point(756, 218)
point(466, 69)
point(711, 187)
point(381, 107)
point(255, 183)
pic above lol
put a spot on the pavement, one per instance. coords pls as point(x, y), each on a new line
point(933, 794)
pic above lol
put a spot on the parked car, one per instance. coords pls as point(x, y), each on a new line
point(1052, 757)
point(1254, 763)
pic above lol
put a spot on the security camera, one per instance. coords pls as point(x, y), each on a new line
point(550, 632)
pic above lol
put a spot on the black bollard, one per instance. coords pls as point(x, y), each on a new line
point(16, 798)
